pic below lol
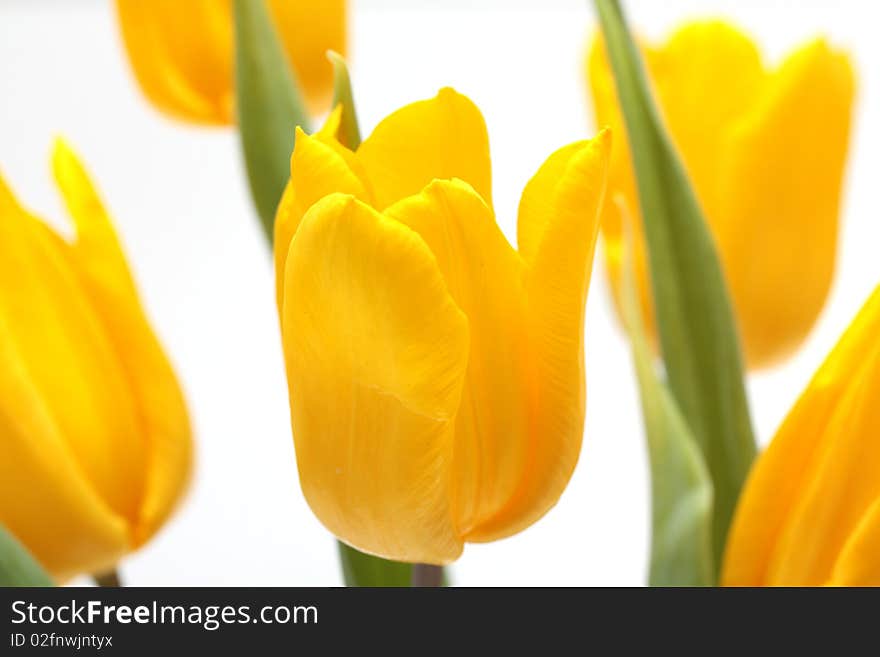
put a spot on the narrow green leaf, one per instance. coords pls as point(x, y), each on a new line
point(359, 569)
point(681, 488)
point(698, 335)
point(17, 566)
point(349, 132)
point(269, 107)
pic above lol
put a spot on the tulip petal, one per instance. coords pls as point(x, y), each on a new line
point(66, 395)
point(308, 29)
point(46, 498)
point(159, 405)
point(444, 137)
point(559, 222)
point(781, 190)
point(181, 54)
point(858, 563)
point(743, 148)
point(376, 354)
point(696, 59)
point(810, 489)
point(317, 169)
point(485, 278)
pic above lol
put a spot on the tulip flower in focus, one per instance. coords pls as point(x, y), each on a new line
point(810, 512)
point(94, 435)
point(182, 52)
point(436, 374)
point(765, 151)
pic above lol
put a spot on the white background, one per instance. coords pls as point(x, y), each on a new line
point(180, 202)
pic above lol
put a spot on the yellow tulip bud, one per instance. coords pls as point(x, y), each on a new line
point(181, 52)
point(765, 151)
point(94, 434)
point(810, 512)
point(436, 374)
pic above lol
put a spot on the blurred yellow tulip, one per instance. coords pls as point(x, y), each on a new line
point(765, 151)
point(810, 512)
point(436, 374)
point(182, 52)
point(94, 434)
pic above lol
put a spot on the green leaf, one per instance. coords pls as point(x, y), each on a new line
point(361, 569)
point(269, 106)
point(17, 566)
point(695, 319)
point(349, 132)
point(681, 488)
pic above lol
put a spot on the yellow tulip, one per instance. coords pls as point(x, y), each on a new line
point(182, 52)
point(810, 512)
point(436, 374)
point(94, 434)
point(765, 151)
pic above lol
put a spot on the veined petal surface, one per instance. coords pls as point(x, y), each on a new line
point(317, 169)
point(376, 353)
point(558, 225)
point(485, 279)
point(441, 138)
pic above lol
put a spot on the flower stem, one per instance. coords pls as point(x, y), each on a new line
point(425, 575)
point(110, 578)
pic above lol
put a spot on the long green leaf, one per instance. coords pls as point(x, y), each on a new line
point(17, 566)
point(681, 488)
point(698, 335)
point(269, 106)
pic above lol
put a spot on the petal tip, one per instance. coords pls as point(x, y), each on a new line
point(62, 155)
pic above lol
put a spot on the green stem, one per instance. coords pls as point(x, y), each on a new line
point(108, 579)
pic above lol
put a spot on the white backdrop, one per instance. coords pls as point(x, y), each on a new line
point(180, 202)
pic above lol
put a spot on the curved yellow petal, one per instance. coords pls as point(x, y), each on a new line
point(485, 279)
point(557, 227)
point(859, 561)
point(181, 54)
point(376, 354)
point(809, 491)
point(763, 186)
point(781, 177)
point(444, 137)
point(308, 29)
point(96, 246)
point(706, 76)
point(70, 360)
point(46, 499)
point(316, 170)
point(161, 414)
